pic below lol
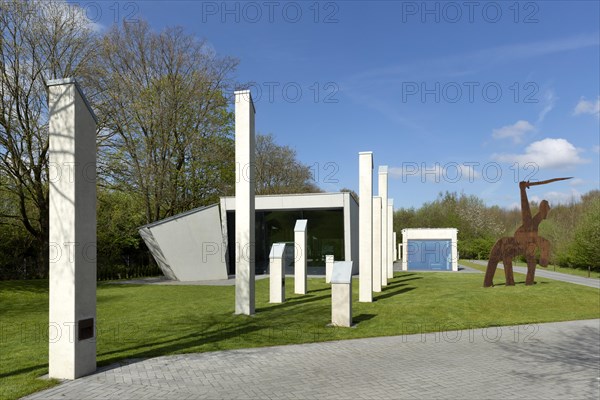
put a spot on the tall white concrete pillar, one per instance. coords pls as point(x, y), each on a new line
point(377, 266)
point(383, 193)
point(394, 246)
point(300, 256)
point(390, 246)
point(454, 253)
point(365, 226)
point(72, 198)
point(244, 203)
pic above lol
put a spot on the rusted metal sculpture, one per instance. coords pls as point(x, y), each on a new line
point(525, 241)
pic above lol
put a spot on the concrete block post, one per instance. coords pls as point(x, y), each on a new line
point(377, 244)
point(329, 259)
point(399, 251)
point(394, 247)
point(383, 193)
point(277, 263)
point(244, 201)
point(365, 226)
point(390, 246)
point(341, 294)
point(300, 256)
point(72, 233)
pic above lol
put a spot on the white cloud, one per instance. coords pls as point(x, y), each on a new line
point(596, 149)
point(549, 101)
point(587, 107)
point(546, 153)
point(576, 182)
point(514, 131)
point(555, 198)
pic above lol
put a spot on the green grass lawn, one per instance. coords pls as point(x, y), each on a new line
point(552, 268)
point(146, 321)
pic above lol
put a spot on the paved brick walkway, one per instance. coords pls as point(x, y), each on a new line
point(545, 361)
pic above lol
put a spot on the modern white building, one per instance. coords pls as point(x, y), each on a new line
point(430, 249)
point(200, 244)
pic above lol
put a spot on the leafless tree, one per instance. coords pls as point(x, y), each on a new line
point(39, 41)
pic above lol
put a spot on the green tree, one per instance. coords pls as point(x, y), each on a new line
point(278, 171)
point(166, 125)
point(585, 249)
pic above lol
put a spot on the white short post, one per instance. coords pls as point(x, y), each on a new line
point(383, 193)
point(377, 244)
point(390, 246)
point(329, 259)
point(244, 203)
point(399, 251)
point(72, 234)
point(300, 256)
point(395, 247)
point(365, 227)
point(341, 294)
point(277, 273)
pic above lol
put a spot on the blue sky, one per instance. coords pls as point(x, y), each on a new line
point(453, 96)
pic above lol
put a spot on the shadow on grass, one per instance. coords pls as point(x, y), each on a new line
point(24, 370)
point(363, 317)
point(387, 294)
point(402, 274)
point(292, 302)
point(396, 280)
point(319, 290)
point(217, 333)
point(25, 286)
point(397, 284)
point(520, 283)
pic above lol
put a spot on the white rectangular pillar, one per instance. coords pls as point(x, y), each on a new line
point(383, 193)
point(365, 226)
point(72, 233)
point(341, 294)
point(329, 259)
point(394, 247)
point(390, 246)
point(399, 254)
point(277, 273)
point(455, 255)
point(244, 203)
point(377, 266)
point(300, 256)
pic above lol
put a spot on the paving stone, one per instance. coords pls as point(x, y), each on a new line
point(557, 361)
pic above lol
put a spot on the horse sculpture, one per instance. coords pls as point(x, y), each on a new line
point(525, 241)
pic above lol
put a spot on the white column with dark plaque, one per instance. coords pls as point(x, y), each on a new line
point(72, 233)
